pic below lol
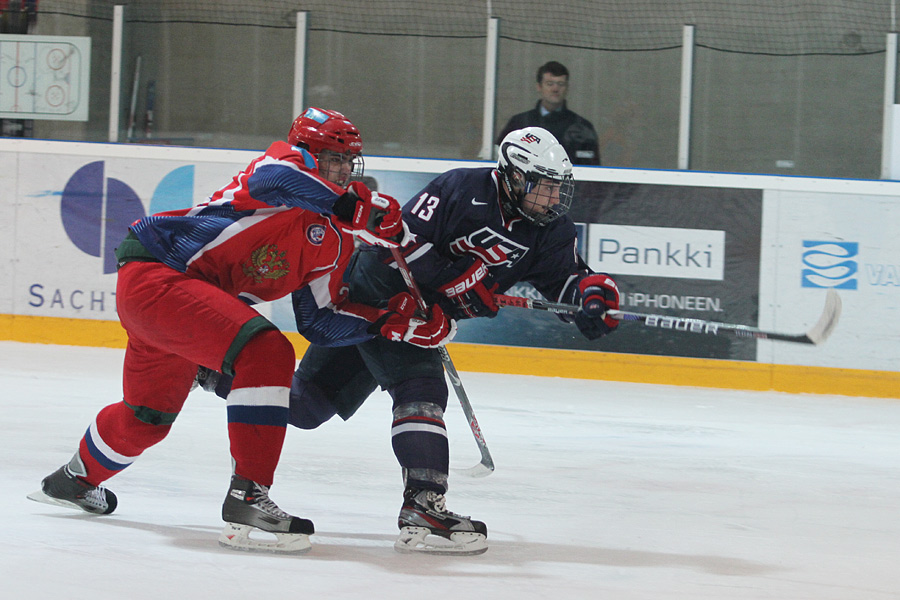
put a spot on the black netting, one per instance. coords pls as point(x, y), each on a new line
point(450, 18)
point(749, 26)
point(778, 27)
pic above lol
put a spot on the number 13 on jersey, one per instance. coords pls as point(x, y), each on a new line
point(425, 206)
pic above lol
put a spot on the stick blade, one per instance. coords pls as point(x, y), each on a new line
point(831, 314)
point(479, 470)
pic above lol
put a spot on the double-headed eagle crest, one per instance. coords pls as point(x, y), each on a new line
point(266, 262)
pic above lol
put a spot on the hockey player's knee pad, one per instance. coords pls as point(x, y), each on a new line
point(266, 360)
point(310, 405)
point(423, 410)
point(423, 389)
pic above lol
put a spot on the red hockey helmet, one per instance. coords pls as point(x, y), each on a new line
point(333, 140)
point(318, 129)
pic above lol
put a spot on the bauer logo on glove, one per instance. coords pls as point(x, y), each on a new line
point(469, 287)
point(468, 280)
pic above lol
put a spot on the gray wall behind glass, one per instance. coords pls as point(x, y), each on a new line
point(230, 86)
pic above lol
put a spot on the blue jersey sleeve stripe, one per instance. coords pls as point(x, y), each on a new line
point(177, 240)
point(325, 327)
point(280, 185)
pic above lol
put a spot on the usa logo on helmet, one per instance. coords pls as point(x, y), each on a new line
point(531, 138)
point(315, 234)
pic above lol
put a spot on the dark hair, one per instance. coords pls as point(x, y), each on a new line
point(554, 68)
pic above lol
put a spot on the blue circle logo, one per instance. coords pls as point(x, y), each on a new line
point(315, 234)
point(96, 211)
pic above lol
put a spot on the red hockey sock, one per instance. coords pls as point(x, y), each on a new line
point(258, 405)
point(114, 440)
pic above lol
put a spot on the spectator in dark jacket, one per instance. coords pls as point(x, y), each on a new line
point(575, 133)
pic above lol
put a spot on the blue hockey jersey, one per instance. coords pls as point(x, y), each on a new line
point(460, 211)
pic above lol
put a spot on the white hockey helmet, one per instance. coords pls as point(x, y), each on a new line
point(527, 157)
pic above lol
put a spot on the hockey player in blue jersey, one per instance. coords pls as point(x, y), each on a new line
point(476, 232)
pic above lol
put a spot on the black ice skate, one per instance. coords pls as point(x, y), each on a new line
point(427, 526)
point(247, 508)
point(64, 488)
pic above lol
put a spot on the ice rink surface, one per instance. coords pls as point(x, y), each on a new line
point(602, 490)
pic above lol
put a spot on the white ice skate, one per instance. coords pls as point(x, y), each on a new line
point(254, 523)
point(238, 537)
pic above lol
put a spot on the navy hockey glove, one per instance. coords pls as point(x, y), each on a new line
point(598, 294)
point(372, 217)
point(471, 293)
point(403, 324)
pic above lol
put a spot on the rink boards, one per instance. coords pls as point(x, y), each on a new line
point(751, 249)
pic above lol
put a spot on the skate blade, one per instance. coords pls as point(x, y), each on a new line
point(237, 537)
point(421, 540)
point(40, 496)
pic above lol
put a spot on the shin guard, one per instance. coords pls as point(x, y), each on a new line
point(418, 433)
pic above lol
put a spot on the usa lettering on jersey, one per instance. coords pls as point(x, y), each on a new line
point(493, 248)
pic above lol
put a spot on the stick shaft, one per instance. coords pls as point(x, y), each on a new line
point(816, 335)
point(487, 462)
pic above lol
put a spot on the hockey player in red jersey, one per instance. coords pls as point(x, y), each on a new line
point(186, 280)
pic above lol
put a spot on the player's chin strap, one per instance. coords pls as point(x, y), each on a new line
point(817, 334)
point(486, 466)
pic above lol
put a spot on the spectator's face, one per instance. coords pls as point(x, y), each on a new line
point(552, 90)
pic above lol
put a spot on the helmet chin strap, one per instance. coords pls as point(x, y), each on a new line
point(508, 200)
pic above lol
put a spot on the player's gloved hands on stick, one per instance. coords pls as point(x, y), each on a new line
point(402, 324)
point(372, 217)
point(471, 293)
point(599, 293)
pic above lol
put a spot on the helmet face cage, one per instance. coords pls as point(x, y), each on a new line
point(545, 199)
point(333, 140)
point(333, 166)
point(538, 175)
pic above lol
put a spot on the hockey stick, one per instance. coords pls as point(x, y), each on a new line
point(486, 466)
point(817, 334)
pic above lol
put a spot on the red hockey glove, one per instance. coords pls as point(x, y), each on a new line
point(403, 325)
point(471, 293)
point(598, 294)
point(372, 217)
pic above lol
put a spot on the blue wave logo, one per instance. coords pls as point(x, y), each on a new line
point(830, 265)
point(96, 211)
